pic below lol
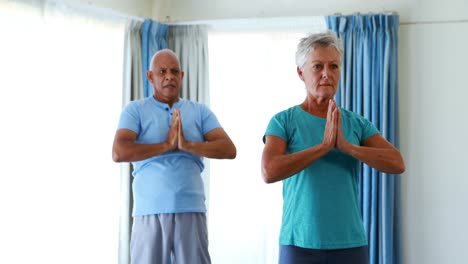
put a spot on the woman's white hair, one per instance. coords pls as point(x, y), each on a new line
point(322, 39)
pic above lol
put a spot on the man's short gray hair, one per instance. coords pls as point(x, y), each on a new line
point(159, 52)
point(312, 41)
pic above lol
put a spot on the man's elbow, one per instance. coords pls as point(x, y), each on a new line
point(233, 153)
point(228, 152)
point(117, 156)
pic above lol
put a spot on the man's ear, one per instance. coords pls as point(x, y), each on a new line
point(300, 73)
point(149, 75)
point(181, 75)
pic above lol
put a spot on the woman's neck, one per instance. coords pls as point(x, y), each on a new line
point(316, 106)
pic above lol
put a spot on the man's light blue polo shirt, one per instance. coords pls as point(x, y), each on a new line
point(170, 182)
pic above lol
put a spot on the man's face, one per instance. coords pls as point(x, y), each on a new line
point(321, 72)
point(166, 77)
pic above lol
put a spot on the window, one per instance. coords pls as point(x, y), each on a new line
point(252, 77)
point(60, 95)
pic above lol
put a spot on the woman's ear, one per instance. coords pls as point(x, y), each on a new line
point(299, 72)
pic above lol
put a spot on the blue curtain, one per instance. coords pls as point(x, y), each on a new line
point(369, 86)
point(153, 38)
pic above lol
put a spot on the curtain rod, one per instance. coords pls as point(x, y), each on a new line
point(435, 22)
point(303, 19)
point(370, 13)
point(410, 22)
point(168, 20)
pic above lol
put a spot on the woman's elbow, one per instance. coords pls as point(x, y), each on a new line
point(397, 167)
point(266, 178)
point(400, 168)
point(400, 164)
point(267, 175)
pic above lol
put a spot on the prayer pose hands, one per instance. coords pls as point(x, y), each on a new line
point(176, 138)
point(333, 136)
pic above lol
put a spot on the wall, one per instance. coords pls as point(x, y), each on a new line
point(131, 8)
point(433, 37)
point(409, 10)
point(434, 129)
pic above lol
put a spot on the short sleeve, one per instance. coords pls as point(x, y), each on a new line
point(129, 118)
point(368, 129)
point(276, 127)
point(210, 121)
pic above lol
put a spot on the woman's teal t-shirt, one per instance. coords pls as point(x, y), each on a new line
point(320, 203)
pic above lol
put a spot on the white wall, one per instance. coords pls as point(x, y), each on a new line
point(434, 130)
point(434, 122)
point(132, 8)
point(409, 10)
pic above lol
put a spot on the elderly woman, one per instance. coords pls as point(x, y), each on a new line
point(315, 148)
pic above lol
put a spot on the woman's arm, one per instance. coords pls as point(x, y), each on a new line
point(375, 151)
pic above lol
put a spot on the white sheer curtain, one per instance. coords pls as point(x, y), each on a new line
point(190, 43)
point(60, 97)
point(252, 76)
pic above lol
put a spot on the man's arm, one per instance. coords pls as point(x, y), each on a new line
point(125, 149)
point(217, 145)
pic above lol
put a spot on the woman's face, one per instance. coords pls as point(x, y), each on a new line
point(321, 72)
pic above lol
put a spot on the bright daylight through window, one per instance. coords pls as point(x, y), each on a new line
point(60, 94)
